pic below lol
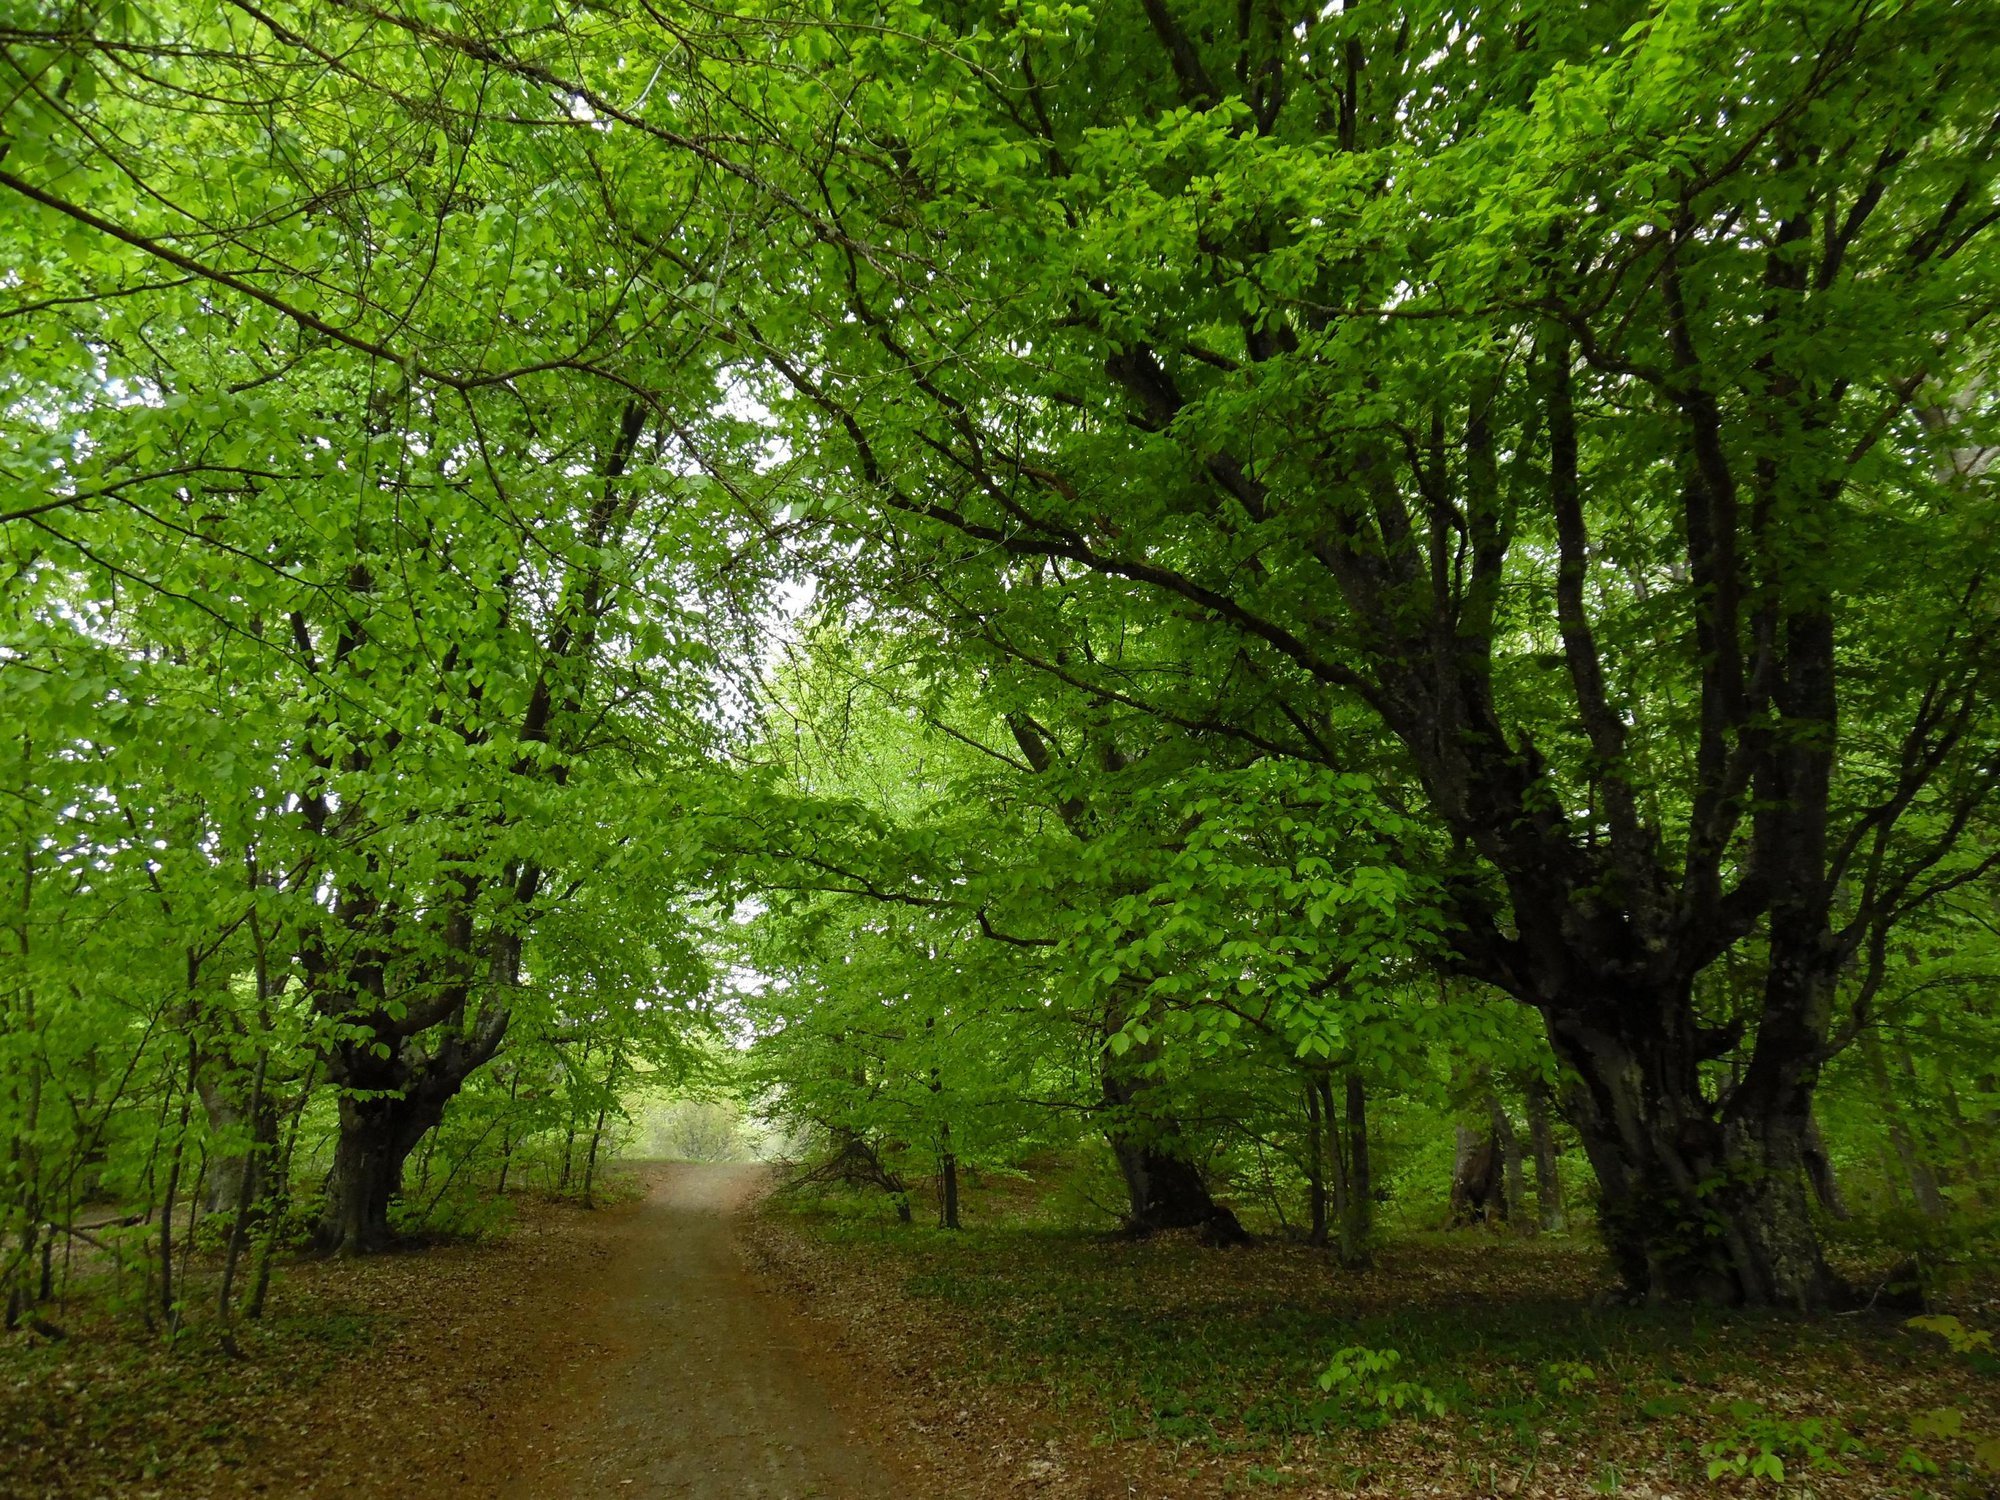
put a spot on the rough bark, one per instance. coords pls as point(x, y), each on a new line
point(386, 1107)
point(1164, 1190)
point(1696, 1202)
point(376, 1138)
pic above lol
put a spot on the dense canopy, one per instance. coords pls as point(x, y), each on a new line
point(1193, 585)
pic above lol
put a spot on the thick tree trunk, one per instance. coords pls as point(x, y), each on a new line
point(1548, 1172)
point(397, 1066)
point(389, 1106)
point(1163, 1188)
point(376, 1138)
point(1164, 1191)
point(1696, 1202)
point(1476, 1194)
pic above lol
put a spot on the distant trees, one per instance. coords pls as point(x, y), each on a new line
point(707, 1130)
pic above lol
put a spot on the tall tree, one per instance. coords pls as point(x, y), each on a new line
point(1592, 400)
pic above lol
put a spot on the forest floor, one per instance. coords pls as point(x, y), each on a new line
point(621, 1352)
point(679, 1344)
point(1031, 1355)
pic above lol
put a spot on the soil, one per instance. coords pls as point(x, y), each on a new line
point(696, 1383)
point(620, 1352)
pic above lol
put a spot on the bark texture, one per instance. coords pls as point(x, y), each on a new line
point(1164, 1189)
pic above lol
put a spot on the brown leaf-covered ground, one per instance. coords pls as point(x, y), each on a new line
point(619, 1352)
point(1029, 1357)
point(672, 1345)
point(400, 1374)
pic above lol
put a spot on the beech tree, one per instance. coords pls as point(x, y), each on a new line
point(321, 437)
point(1588, 398)
point(1390, 505)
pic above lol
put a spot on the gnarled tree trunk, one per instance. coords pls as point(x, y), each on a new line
point(386, 1108)
point(1697, 1199)
point(1163, 1187)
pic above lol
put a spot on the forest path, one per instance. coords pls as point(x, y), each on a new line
point(700, 1383)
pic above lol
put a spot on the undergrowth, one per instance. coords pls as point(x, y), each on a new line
point(1491, 1356)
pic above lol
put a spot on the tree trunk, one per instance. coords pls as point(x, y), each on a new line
point(398, 1067)
point(1357, 1212)
point(948, 1185)
point(1476, 1194)
point(1696, 1201)
point(1513, 1183)
point(590, 1161)
point(1548, 1172)
point(367, 1172)
point(1819, 1172)
point(1315, 1165)
point(280, 1196)
point(507, 1132)
point(167, 1308)
point(1163, 1188)
point(246, 1130)
point(376, 1138)
point(947, 1158)
point(247, 1183)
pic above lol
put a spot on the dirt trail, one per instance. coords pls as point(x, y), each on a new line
point(699, 1384)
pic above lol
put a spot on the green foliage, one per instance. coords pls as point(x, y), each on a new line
point(1568, 1377)
point(1758, 1443)
point(1068, 578)
point(1360, 1378)
point(1949, 1424)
